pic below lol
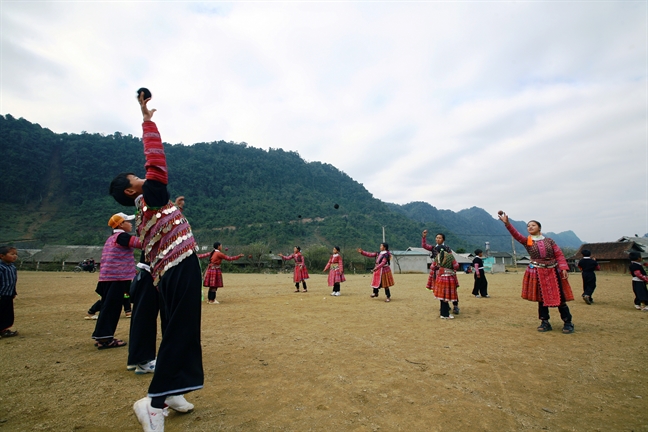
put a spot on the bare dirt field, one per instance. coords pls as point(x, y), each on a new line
point(281, 361)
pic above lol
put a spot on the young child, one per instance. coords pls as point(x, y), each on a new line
point(170, 248)
point(481, 284)
point(214, 275)
point(336, 274)
point(448, 274)
point(639, 280)
point(545, 279)
point(8, 279)
point(382, 275)
point(588, 265)
point(115, 275)
point(301, 272)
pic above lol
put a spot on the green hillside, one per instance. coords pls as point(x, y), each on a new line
point(54, 191)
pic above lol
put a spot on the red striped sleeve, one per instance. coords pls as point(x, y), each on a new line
point(156, 167)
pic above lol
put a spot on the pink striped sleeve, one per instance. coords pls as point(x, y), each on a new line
point(516, 234)
point(156, 167)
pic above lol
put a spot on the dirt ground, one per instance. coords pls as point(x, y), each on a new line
point(281, 361)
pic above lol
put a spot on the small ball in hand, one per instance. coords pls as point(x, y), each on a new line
point(147, 93)
point(500, 212)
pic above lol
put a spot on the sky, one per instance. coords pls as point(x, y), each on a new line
point(536, 108)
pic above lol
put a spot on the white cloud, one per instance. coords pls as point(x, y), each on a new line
point(535, 108)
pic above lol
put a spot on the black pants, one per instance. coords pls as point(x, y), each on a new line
point(112, 298)
point(179, 367)
point(336, 287)
point(589, 283)
point(376, 291)
point(565, 315)
point(96, 307)
point(481, 286)
point(445, 308)
point(6, 312)
point(303, 283)
point(142, 339)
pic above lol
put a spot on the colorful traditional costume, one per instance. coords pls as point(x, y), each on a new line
point(301, 272)
point(382, 274)
point(116, 272)
point(214, 275)
point(170, 248)
point(542, 281)
point(336, 272)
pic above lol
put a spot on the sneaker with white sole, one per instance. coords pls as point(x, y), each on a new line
point(638, 307)
point(131, 367)
point(337, 293)
point(145, 368)
point(151, 419)
point(179, 403)
point(333, 293)
point(448, 317)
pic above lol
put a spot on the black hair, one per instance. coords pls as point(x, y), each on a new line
point(216, 244)
point(387, 249)
point(478, 251)
point(634, 256)
point(586, 252)
point(337, 248)
point(386, 246)
point(442, 235)
point(537, 223)
point(117, 187)
point(298, 248)
point(4, 250)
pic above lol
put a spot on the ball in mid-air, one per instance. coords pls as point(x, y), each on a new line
point(336, 206)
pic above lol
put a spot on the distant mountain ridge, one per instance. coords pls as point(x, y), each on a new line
point(476, 226)
point(54, 191)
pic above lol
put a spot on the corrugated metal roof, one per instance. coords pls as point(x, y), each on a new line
point(55, 253)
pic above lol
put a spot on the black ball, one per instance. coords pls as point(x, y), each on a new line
point(299, 216)
point(336, 206)
point(147, 93)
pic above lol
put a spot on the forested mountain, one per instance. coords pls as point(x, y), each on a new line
point(54, 190)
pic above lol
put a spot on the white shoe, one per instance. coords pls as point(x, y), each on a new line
point(448, 317)
point(333, 293)
point(645, 309)
point(131, 367)
point(477, 296)
point(151, 419)
point(145, 368)
point(638, 307)
point(179, 403)
point(337, 293)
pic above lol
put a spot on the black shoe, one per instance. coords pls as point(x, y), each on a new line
point(545, 326)
point(568, 328)
point(587, 299)
point(455, 310)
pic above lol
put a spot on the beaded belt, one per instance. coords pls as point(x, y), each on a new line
point(535, 264)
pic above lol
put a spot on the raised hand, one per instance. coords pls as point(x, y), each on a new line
point(147, 114)
point(503, 217)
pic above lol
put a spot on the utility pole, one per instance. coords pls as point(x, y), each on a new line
point(383, 234)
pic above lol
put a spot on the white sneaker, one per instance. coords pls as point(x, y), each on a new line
point(448, 317)
point(131, 367)
point(638, 307)
point(179, 403)
point(333, 293)
point(477, 296)
point(337, 293)
point(645, 309)
point(151, 419)
point(145, 368)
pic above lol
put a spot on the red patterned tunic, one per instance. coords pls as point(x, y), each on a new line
point(301, 272)
point(336, 274)
point(542, 280)
point(382, 275)
point(446, 283)
point(433, 268)
point(213, 274)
